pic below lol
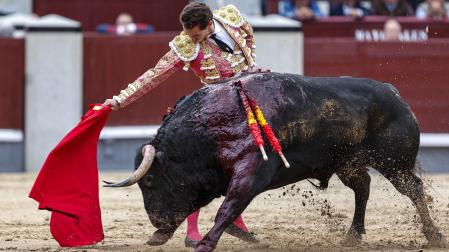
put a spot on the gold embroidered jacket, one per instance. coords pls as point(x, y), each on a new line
point(205, 59)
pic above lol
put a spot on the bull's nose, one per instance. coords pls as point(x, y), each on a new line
point(167, 224)
point(160, 222)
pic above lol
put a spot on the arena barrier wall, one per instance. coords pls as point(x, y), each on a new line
point(93, 12)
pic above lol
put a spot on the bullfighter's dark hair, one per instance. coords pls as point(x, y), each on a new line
point(195, 14)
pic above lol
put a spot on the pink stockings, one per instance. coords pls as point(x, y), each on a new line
point(192, 226)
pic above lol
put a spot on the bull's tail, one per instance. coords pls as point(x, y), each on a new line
point(421, 172)
point(418, 168)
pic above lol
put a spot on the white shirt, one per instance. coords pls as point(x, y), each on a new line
point(423, 8)
point(348, 9)
point(223, 35)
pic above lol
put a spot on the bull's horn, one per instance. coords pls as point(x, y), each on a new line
point(148, 157)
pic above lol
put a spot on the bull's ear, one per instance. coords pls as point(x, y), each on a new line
point(160, 156)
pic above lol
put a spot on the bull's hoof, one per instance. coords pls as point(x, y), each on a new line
point(203, 247)
point(245, 236)
point(438, 241)
point(352, 238)
point(189, 243)
point(158, 238)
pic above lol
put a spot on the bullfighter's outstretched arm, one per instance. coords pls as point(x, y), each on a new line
point(166, 66)
point(250, 41)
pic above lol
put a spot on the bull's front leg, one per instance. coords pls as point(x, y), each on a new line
point(251, 176)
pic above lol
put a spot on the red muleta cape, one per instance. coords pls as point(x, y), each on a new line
point(67, 184)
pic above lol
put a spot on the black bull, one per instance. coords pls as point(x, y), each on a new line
point(204, 149)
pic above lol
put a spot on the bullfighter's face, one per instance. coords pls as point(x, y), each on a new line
point(197, 34)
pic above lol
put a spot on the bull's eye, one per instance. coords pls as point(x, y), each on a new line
point(147, 180)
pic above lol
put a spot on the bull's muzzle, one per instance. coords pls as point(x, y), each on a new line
point(148, 153)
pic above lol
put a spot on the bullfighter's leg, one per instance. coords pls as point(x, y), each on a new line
point(407, 183)
point(358, 180)
point(237, 229)
point(193, 235)
point(251, 176)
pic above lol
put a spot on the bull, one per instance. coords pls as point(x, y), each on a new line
point(204, 149)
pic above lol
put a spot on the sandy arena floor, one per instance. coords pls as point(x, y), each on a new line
point(289, 219)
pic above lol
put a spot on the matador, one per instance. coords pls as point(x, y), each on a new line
point(215, 46)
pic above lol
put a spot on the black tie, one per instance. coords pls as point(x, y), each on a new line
point(221, 44)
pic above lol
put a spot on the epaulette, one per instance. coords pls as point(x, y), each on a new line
point(184, 47)
point(230, 16)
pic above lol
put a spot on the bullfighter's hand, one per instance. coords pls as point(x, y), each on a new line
point(113, 104)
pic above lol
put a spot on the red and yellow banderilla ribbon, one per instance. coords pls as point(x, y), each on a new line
point(269, 133)
point(250, 106)
point(252, 123)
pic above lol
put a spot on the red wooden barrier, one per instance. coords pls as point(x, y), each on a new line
point(352, 27)
point(111, 62)
point(162, 14)
point(418, 69)
point(12, 79)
